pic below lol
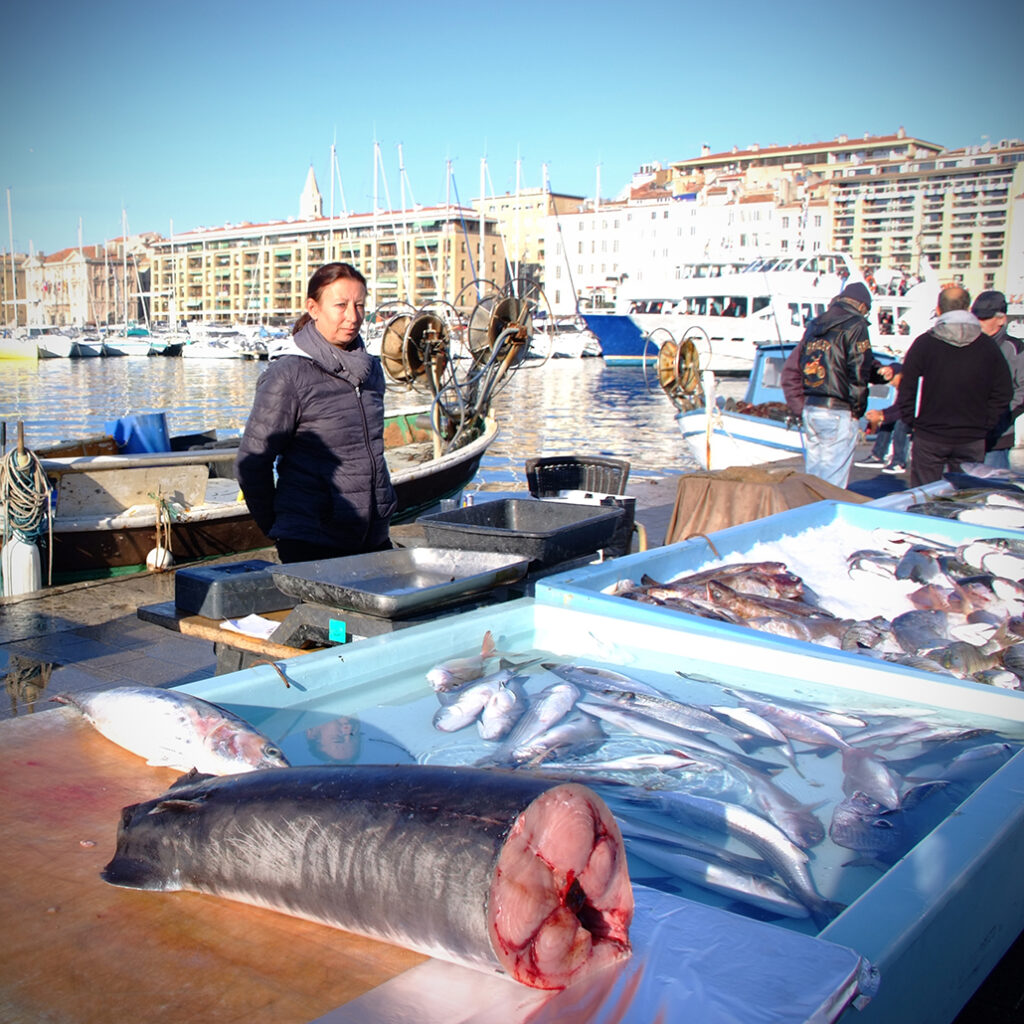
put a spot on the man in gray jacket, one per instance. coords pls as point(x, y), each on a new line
point(990, 309)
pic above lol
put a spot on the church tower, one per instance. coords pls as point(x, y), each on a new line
point(311, 203)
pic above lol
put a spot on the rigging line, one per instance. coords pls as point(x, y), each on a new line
point(417, 229)
point(465, 232)
point(501, 230)
point(394, 224)
point(565, 255)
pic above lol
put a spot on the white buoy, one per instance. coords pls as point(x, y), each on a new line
point(159, 558)
point(20, 567)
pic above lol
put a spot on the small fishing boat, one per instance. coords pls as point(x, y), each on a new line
point(112, 511)
point(752, 432)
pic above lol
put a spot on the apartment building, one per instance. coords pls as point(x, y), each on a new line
point(258, 272)
point(521, 218)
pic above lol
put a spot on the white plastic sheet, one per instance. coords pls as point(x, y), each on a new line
point(690, 963)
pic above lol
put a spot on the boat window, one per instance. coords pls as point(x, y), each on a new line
point(885, 322)
point(769, 264)
point(771, 377)
point(807, 311)
point(760, 302)
point(735, 305)
point(784, 265)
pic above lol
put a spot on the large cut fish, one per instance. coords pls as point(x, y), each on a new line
point(488, 869)
point(176, 730)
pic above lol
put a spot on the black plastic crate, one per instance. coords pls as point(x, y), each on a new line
point(228, 591)
point(546, 532)
point(547, 475)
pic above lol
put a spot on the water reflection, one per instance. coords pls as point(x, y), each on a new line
point(26, 681)
point(564, 406)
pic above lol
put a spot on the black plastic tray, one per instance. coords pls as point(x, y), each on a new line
point(228, 591)
point(546, 532)
point(398, 582)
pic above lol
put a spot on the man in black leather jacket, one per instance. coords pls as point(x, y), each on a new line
point(835, 364)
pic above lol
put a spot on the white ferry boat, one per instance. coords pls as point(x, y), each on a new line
point(769, 301)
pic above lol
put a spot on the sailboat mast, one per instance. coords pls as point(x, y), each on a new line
point(124, 263)
point(14, 276)
point(480, 259)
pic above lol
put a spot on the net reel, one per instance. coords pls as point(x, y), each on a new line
point(679, 374)
point(414, 348)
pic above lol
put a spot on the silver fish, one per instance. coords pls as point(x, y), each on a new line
point(173, 729)
point(470, 702)
point(456, 672)
point(788, 860)
point(591, 677)
point(796, 819)
point(545, 709)
point(865, 772)
point(715, 876)
point(576, 734)
point(796, 724)
point(501, 712)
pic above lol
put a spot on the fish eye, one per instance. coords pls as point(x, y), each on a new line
point(271, 751)
point(881, 823)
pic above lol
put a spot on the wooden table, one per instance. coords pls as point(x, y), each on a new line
point(76, 950)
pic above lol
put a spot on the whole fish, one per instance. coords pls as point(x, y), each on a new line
point(631, 720)
point(544, 710)
point(796, 724)
point(576, 734)
point(749, 606)
point(482, 868)
point(673, 712)
point(501, 712)
point(176, 730)
point(591, 677)
point(469, 702)
point(732, 882)
point(456, 672)
point(880, 835)
point(865, 772)
point(787, 859)
point(919, 632)
point(963, 659)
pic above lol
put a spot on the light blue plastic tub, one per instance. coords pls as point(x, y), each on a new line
point(933, 925)
point(584, 588)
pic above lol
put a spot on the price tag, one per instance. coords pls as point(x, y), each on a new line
point(336, 631)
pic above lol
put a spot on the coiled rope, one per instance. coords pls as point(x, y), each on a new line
point(25, 499)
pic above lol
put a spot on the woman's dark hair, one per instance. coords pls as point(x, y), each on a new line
point(327, 274)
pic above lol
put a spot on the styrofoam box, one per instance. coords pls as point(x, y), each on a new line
point(934, 924)
point(813, 540)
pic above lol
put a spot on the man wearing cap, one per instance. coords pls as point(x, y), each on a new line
point(835, 362)
point(990, 309)
point(955, 387)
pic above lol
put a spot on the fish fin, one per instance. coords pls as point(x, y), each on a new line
point(176, 806)
point(129, 873)
point(487, 649)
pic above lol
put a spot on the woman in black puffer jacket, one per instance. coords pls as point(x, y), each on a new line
point(319, 414)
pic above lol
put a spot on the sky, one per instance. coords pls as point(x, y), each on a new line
point(196, 114)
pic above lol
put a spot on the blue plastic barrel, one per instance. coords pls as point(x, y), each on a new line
point(140, 432)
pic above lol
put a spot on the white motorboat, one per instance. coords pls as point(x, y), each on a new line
point(769, 301)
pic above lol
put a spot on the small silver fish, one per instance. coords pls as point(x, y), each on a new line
point(456, 672)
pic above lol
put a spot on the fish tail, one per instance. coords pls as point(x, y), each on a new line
point(825, 912)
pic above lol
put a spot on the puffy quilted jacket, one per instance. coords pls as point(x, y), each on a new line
point(319, 414)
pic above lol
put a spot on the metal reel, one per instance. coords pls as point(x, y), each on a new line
point(500, 329)
point(414, 349)
point(679, 374)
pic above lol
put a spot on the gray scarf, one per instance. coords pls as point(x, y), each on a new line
point(351, 364)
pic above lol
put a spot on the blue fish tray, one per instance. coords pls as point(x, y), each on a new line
point(587, 588)
point(933, 924)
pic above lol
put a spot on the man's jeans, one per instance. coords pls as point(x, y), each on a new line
point(830, 437)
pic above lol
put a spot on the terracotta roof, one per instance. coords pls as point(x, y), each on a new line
point(808, 147)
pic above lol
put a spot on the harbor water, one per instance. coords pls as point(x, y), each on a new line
point(559, 407)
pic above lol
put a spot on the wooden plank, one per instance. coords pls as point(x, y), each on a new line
point(166, 614)
point(79, 951)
